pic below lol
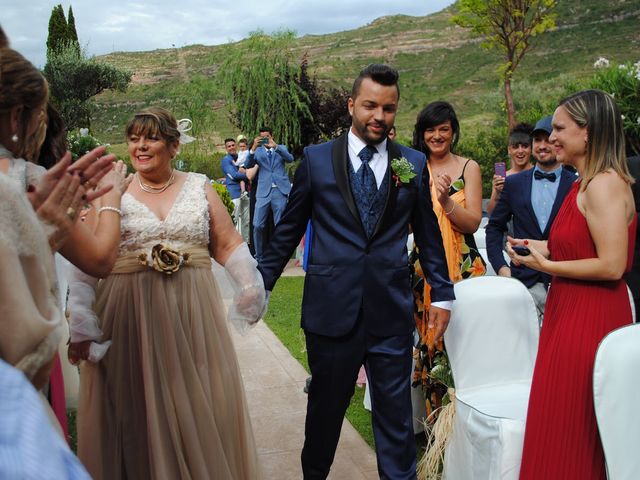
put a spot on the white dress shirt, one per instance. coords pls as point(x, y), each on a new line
point(378, 164)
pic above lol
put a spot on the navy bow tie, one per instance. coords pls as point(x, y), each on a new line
point(538, 175)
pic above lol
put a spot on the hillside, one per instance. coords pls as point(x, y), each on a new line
point(436, 59)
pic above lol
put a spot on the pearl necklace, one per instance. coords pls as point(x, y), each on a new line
point(156, 190)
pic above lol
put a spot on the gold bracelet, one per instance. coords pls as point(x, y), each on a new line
point(452, 209)
point(110, 209)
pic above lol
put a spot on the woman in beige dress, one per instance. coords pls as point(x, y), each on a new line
point(167, 401)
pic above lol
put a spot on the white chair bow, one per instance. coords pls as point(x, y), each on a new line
point(492, 341)
point(616, 393)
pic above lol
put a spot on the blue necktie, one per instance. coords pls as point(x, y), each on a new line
point(269, 154)
point(368, 179)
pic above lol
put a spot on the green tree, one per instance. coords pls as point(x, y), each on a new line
point(74, 78)
point(508, 26)
point(72, 34)
point(327, 106)
point(58, 30)
point(259, 79)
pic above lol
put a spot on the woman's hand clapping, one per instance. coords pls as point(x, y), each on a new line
point(443, 183)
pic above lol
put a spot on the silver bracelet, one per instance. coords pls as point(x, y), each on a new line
point(110, 209)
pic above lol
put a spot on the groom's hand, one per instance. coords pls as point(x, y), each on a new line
point(438, 319)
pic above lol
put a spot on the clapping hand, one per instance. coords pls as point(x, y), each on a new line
point(443, 183)
point(116, 178)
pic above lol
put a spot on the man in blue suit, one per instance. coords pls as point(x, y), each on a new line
point(233, 174)
point(273, 183)
point(358, 306)
point(531, 199)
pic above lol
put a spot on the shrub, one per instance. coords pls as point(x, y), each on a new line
point(623, 82)
point(81, 142)
point(224, 195)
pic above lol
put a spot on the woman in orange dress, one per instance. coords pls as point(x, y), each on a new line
point(456, 194)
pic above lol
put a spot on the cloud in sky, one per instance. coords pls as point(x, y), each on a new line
point(117, 25)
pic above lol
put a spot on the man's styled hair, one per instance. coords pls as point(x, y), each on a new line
point(266, 129)
point(379, 73)
point(229, 140)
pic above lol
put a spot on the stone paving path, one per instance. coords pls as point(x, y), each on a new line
point(273, 382)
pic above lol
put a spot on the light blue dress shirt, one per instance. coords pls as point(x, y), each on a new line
point(30, 448)
point(543, 195)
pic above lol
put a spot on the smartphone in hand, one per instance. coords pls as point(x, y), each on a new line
point(500, 169)
point(522, 251)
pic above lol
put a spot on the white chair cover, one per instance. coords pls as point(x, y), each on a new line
point(616, 394)
point(492, 341)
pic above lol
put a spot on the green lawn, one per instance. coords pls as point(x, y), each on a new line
point(283, 319)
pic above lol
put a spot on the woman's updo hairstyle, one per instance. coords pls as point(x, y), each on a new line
point(157, 122)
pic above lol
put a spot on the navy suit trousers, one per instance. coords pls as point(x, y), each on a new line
point(334, 364)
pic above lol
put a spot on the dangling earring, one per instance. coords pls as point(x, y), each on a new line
point(14, 138)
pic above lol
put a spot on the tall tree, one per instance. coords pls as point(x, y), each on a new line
point(72, 34)
point(508, 27)
point(58, 30)
point(259, 78)
point(327, 106)
point(75, 78)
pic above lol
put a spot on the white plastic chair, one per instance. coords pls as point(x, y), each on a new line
point(492, 341)
point(616, 393)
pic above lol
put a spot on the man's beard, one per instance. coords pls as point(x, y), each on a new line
point(547, 163)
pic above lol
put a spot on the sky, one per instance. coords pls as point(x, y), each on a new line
point(106, 26)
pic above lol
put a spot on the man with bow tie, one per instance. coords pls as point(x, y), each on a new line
point(531, 199)
point(357, 305)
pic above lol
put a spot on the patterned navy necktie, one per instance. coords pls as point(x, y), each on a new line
point(368, 179)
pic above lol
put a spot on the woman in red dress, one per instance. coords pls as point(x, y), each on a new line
point(589, 248)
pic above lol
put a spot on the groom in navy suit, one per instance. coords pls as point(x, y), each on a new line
point(531, 199)
point(358, 306)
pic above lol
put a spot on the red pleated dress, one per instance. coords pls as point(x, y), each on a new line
point(561, 436)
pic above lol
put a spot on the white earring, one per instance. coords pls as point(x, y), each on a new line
point(14, 138)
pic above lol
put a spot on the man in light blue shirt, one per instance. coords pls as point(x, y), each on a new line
point(30, 447)
point(531, 199)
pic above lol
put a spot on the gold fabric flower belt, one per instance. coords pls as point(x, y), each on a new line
point(163, 259)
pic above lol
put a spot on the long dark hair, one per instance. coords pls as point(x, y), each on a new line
point(434, 114)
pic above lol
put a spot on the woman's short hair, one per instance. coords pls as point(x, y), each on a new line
point(522, 133)
point(432, 115)
point(155, 121)
point(597, 111)
point(21, 84)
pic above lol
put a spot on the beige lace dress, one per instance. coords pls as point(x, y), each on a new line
point(167, 401)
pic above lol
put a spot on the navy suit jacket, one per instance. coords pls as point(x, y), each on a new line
point(633, 277)
point(515, 203)
point(271, 171)
point(348, 272)
point(232, 176)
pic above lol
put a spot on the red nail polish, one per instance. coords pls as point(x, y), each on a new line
point(526, 242)
point(31, 188)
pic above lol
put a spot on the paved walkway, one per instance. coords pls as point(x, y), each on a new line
point(273, 382)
